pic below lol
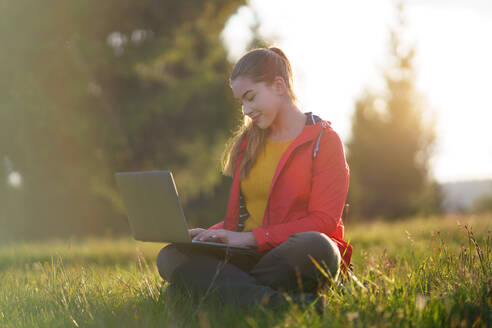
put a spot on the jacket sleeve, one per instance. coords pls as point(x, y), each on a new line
point(329, 187)
point(216, 226)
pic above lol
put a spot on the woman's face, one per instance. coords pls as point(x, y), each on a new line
point(259, 101)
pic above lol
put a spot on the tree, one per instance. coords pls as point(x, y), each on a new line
point(90, 88)
point(199, 209)
point(482, 204)
point(391, 142)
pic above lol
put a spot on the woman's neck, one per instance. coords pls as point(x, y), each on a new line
point(288, 124)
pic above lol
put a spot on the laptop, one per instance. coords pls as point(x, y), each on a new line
point(154, 210)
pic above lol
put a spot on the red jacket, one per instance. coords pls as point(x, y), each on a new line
point(307, 193)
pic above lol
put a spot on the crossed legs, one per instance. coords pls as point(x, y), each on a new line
point(248, 277)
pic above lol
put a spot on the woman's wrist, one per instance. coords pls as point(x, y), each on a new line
point(250, 239)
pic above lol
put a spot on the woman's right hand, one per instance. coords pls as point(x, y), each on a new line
point(194, 232)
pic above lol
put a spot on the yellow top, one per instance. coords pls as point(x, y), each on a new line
point(256, 186)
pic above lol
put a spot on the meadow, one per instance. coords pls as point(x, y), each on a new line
point(421, 272)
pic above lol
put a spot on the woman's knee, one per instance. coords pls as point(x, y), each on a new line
point(289, 264)
point(319, 246)
point(168, 259)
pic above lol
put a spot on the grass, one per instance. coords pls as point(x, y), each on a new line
point(423, 272)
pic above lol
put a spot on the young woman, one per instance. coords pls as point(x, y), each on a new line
point(290, 181)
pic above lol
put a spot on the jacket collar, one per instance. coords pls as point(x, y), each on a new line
point(314, 125)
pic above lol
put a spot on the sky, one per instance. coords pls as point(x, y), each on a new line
point(338, 48)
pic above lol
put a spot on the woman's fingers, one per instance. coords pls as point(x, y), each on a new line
point(212, 235)
point(196, 231)
point(202, 235)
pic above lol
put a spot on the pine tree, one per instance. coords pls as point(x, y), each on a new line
point(391, 142)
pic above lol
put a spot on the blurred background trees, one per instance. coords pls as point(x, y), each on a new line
point(392, 142)
point(91, 88)
point(483, 204)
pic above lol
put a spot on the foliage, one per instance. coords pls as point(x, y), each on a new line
point(90, 88)
point(482, 204)
point(391, 143)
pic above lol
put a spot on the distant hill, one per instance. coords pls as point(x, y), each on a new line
point(459, 196)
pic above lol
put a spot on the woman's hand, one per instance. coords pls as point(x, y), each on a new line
point(196, 231)
point(224, 236)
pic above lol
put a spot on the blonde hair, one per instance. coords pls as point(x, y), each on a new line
point(260, 65)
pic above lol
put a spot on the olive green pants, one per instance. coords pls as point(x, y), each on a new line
point(246, 277)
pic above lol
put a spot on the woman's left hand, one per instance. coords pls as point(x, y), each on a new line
point(228, 237)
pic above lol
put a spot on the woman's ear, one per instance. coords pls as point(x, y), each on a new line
point(279, 86)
